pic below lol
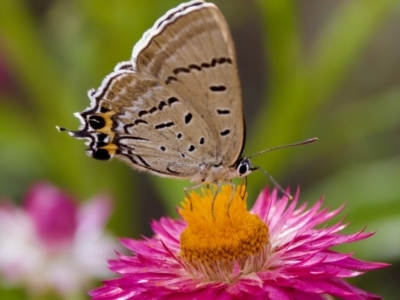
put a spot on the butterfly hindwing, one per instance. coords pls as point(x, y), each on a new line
point(147, 125)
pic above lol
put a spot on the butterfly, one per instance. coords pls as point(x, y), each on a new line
point(175, 109)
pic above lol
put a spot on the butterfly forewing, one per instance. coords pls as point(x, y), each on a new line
point(191, 51)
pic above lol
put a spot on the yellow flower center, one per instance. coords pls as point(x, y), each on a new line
point(216, 242)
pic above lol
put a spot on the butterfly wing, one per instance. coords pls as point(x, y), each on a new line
point(175, 110)
point(144, 122)
point(191, 51)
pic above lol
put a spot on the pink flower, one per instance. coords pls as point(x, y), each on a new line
point(51, 244)
point(223, 251)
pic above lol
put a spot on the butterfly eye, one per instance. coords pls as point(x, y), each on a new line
point(243, 167)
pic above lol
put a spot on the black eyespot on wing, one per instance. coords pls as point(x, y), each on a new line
point(194, 67)
point(188, 118)
point(179, 135)
point(101, 144)
point(101, 154)
point(224, 60)
point(103, 110)
point(223, 111)
point(217, 88)
point(161, 105)
point(138, 121)
point(162, 148)
point(183, 155)
point(142, 113)
point(172, 100)
point(170, 79)
point(201, 141)
point(181, 70)
point(192, 148)
point(164, 125)
point(96, 122)
point(225, 132)
point(101, 137)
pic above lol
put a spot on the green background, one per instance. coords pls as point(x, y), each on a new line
point(324, 68)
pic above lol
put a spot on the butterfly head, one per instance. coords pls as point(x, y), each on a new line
point(243, 167)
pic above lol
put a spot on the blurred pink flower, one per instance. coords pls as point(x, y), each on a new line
point(51, 244)
point(272, 252)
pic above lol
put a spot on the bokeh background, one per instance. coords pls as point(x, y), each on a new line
point(325, 68)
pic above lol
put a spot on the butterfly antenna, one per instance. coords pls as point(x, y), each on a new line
point(285, 146)
point(275, 183)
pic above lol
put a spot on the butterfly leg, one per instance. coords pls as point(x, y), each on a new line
point(244, 182)
point(217, 189)
point(232, 195)
point(190, 188)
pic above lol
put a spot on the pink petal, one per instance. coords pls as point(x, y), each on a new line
point(53, 213)
point(300, 267)
point(93, 215)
